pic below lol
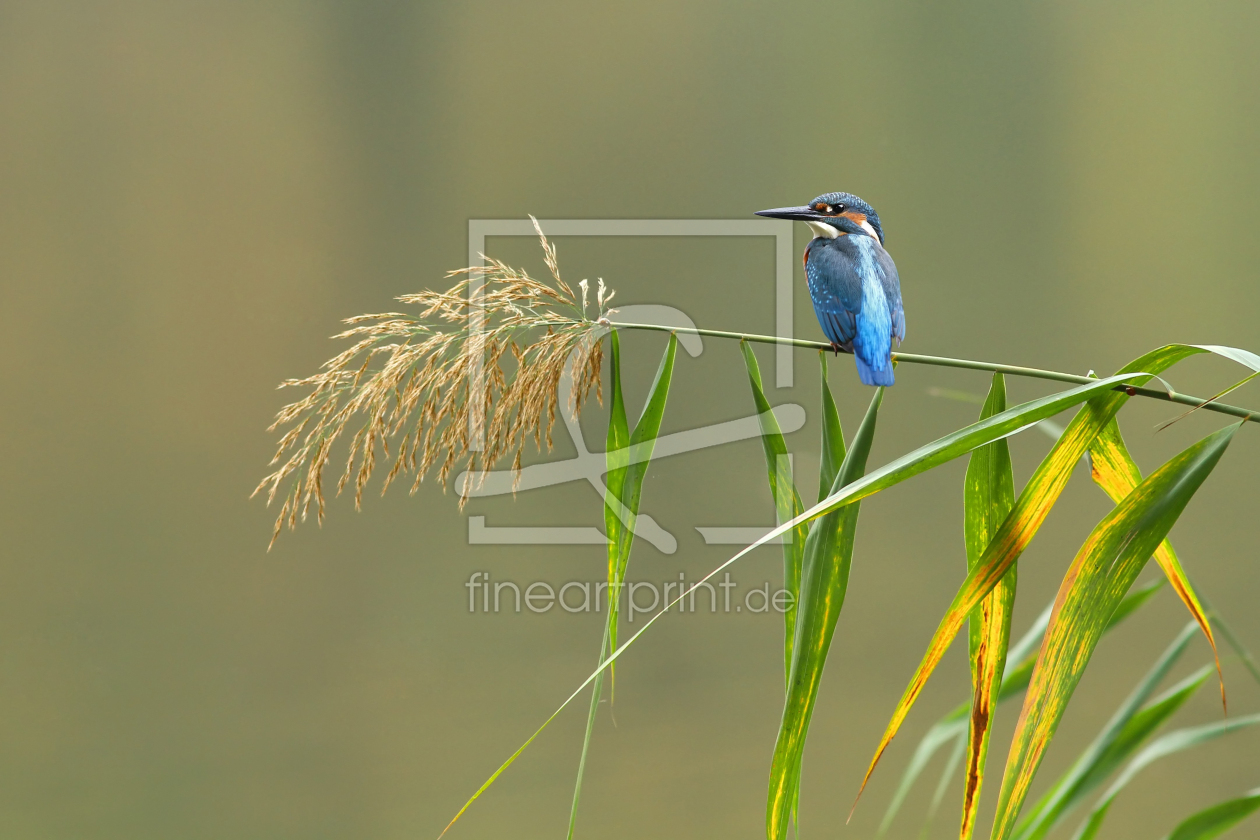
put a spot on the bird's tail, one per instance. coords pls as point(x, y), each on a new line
point(870, 376)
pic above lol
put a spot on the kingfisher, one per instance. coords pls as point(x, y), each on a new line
point(852, 281)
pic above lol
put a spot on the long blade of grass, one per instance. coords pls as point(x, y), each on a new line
point(1210, 400)
point(648, 426)
point(1114, 744)
point(832, 460)
point(988, 496)
point(1165, 745)
point(1243, 357)
point(942, 785)
point(824, 580)
point(1031, 509)
point(617, 461)
point(621, 508)
point(1218, 819)
point(1235, 354)
point(950, 729)
point(1114, 470)
point(596, 692)
point(1104, 569)
point(787, 502)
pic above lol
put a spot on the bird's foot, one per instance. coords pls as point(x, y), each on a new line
point(835, 347)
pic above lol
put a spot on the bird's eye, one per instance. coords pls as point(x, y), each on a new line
point(839, 208)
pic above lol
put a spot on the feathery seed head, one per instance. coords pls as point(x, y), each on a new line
point(480, 363)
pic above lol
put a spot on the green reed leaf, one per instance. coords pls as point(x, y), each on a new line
point(1216, 820)
point(824, 581)
point(1165, 745)
point(625, 503)
point(787, 502)
point(617, 461)
point(833, 450)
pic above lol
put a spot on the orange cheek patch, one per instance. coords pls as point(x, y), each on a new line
point(860, 220)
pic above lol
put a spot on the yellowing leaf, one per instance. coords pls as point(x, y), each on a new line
point(1114, 470)
point(1104, 569)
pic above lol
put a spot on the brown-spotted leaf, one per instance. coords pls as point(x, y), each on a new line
point(988, 496)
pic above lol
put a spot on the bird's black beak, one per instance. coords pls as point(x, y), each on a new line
point(799, 214)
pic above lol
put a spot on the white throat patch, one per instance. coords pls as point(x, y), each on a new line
point(826, 231)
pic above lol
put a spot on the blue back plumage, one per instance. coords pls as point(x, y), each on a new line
point(857, 297)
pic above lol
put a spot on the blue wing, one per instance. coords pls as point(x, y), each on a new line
point(836, 290)
point(857, 298)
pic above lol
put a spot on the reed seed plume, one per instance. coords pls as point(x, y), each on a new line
point(480, 363)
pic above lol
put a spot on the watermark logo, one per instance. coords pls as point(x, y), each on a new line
point(642, 597)
point(588, 465)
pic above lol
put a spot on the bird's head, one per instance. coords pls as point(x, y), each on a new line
point(833, 214)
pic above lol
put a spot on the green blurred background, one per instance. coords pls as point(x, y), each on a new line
point(192, 195)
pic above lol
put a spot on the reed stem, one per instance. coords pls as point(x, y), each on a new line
point(966, 364)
